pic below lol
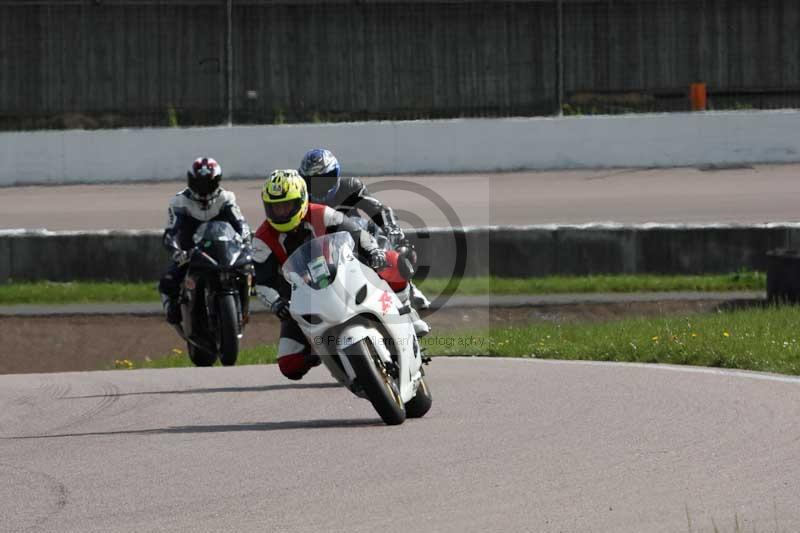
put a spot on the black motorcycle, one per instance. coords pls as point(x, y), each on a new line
point(215, 294)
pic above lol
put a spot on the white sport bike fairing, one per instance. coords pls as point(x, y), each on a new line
point(357, 326)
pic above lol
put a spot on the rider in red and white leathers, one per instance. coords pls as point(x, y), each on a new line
point(290, 221)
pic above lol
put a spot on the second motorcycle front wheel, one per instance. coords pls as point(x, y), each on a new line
point(228, 330)
point(200, 357)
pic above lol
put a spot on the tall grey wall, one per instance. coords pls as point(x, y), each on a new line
point(82, 63)
point(407, 147)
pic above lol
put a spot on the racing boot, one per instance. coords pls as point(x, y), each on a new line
point(418, 300)
point(172, 309)
point(421, 328)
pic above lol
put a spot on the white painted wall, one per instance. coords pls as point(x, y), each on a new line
point(376, 148)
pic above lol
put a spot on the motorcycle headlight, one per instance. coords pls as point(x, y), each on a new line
point(361, 294)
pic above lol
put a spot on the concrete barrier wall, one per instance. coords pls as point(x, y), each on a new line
point(73, 256)
point(604, 249)
point(502, 251)
point(375, 148)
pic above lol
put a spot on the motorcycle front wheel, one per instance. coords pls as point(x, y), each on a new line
point(378, 383)
point(421, 402)
point(200, 357)
point(228, 316)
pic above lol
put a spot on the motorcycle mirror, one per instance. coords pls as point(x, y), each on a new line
point(405, 268)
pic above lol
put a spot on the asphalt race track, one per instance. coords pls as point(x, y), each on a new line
point(763, 193)
point(509, 445)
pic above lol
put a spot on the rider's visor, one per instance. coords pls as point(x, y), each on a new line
point(282, 212)
point(318, 186)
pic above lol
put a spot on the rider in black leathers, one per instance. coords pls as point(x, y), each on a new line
point(320, 168)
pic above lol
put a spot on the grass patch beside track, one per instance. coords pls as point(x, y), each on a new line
point(260, 355)
point(108, 292)
point(78, 292)
point(763, 339)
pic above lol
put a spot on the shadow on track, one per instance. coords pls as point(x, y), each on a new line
point(225, 428)
point(260, 388)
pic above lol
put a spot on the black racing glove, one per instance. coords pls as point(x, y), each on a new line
point(406, 249)
point(395, 235)
point(281, 309)
point(406, 259)
point(377, 259)
point(181, 257)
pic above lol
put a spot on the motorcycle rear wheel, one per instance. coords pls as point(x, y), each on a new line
point(379, 385)
point(228, 330)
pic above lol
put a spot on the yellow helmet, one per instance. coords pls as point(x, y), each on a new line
point(285, 199)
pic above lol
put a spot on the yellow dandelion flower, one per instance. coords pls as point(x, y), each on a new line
point(654, 339)
point(726, 334)
point(694, 334)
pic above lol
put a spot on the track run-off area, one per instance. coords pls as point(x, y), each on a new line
point(509, 445)
point(753, 194)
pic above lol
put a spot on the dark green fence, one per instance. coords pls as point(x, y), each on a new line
point(112, 63)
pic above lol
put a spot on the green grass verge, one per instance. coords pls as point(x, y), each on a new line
point(99, 292)
point(260, 355)
point(47, 292)
point(765, 339)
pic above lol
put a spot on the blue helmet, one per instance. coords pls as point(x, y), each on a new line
point(320, 169)
point(319, 162)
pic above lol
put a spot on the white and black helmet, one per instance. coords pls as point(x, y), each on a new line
point(203, 178)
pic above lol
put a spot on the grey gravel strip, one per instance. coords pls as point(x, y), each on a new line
point(525, 300)
point(529, 300)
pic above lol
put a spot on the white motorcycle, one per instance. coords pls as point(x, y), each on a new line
point(358, 327)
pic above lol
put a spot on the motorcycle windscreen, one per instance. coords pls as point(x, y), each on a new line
point(314, 263)
point(218, 240)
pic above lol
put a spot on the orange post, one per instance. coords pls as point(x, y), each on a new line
point(698, 96)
